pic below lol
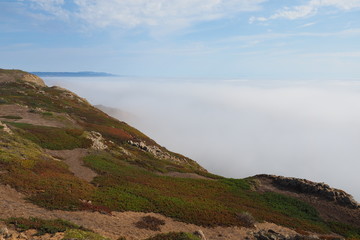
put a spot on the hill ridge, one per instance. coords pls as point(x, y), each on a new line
point(315, 188)
point(18, 75)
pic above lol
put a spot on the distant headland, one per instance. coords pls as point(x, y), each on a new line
point(74, 74)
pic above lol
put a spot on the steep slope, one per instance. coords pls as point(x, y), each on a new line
point(60, 153)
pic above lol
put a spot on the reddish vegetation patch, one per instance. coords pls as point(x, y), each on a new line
point(88, 206)
point(50, 184)
point(115, 133)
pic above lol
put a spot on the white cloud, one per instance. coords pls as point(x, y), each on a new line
point(272, 35)
point(334, 54)
point(55, 7)
point(307, 25)
point(132, 13)
point(309, 9)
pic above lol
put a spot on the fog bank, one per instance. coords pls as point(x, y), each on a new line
point(238, 128)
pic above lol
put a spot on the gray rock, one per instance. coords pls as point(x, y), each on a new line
point(200, 234)
point(4, 231)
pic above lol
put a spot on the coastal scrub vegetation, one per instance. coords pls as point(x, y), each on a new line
point(42, 226)
point(174, 236)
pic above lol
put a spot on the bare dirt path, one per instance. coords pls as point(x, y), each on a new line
point(73, 158)
point(184, 175)
point(12, 204)
point(56, 120)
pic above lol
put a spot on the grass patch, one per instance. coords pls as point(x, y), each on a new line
point(49, 183)
point(47, 114)
point(78, 234)
point(42, 226)
point(291, 206)
point(126, 187)
point(345, 230)
point(53, 138)
point(11, 117)
point(174, 236)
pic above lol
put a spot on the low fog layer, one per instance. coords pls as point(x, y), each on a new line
point(239, 128)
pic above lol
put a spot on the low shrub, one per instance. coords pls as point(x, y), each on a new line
point(150, 223)
point(78, 234)
point(350, 232)
point(291, 206)
point(95, 208)
point(42, 226)
point(116, 134)
point(174, 236)
point(47, 114)
point(246, 219)
point(11, 117)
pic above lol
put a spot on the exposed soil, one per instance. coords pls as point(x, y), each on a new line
point(184, 175)
point(58, 120)
point(73, 158)
point(329, 211)
point(12, 204)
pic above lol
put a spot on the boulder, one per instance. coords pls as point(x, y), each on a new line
point(5, 128)
point(97, 139)
point(200, 234)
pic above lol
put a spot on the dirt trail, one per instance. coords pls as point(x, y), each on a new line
point(184, 175)
point(57, 120)
point(12, 204)
point(73, 158)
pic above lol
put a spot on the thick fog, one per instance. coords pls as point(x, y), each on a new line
point(239, 128)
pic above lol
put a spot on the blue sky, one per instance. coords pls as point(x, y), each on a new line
point(245, 39)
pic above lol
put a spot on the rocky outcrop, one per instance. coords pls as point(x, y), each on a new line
point(33, 79)
point(17, 75)
point(163, 154)
point(70, 95)
point(12, 234)
point(272, 235)
point(97, 140)
point(318, 189)
point(156, 151)
point(200, 234)
point(5, 128)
